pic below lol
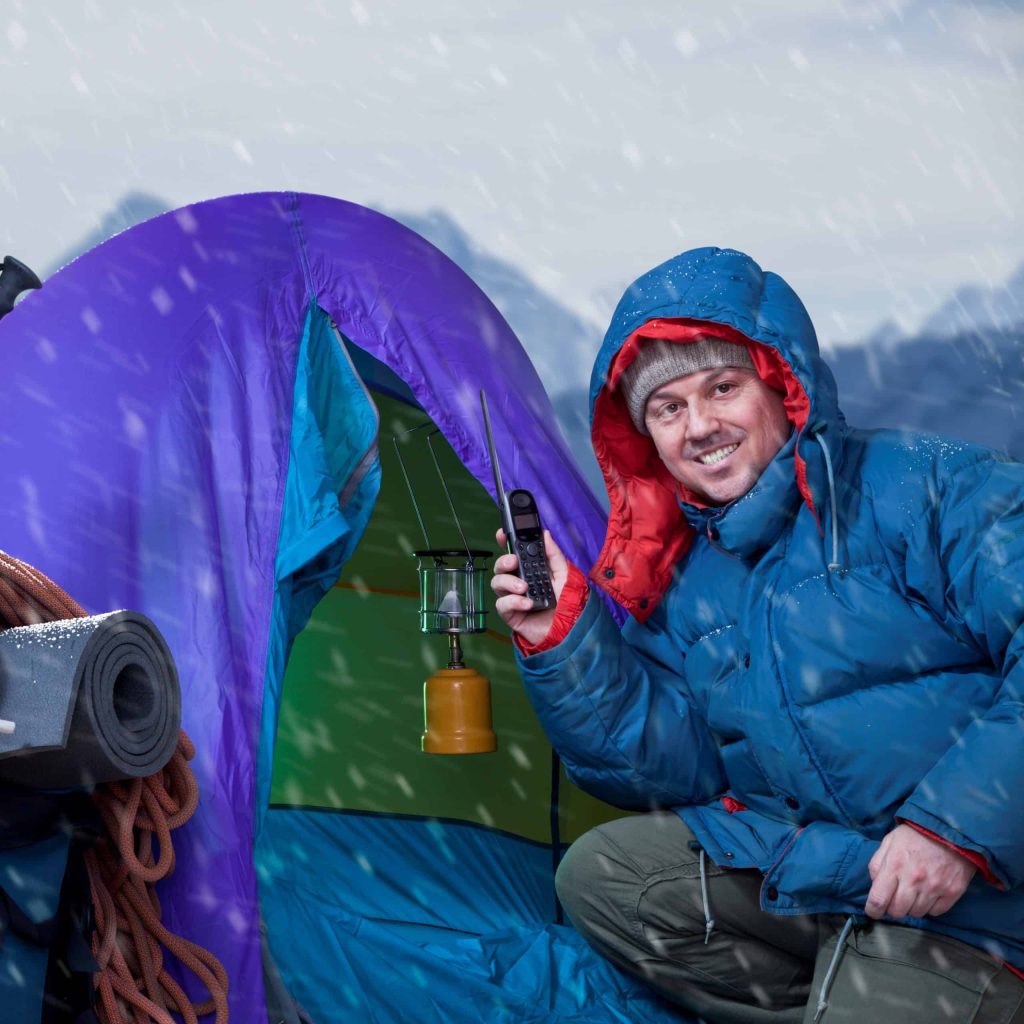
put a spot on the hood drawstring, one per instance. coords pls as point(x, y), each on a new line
point(709, 921)
point(834, 565)
point(833, 965)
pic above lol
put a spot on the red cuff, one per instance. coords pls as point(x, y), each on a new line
point(569, 608)
point(972, 855)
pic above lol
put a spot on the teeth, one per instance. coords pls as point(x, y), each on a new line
point(716, 456)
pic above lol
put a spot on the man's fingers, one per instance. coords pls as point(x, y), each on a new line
point(923, 905)
point(915, 875)
point(876, 862)
point(943, 903)
point(506, 563)
point(511, 605)
point(556, 563)
point(506, 583)
point(882, 892)
point(906, 900)
point(948, 894)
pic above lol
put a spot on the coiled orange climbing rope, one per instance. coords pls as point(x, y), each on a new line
point(132, 985)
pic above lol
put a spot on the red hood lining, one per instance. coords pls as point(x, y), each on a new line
point(647, 532)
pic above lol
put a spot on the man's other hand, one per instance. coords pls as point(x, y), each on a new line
point(914, 876)
point(513, 605)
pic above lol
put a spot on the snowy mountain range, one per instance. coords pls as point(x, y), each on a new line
point(962, 374)
point(133, 208)
point(557, 340)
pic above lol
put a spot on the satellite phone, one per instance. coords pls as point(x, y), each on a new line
point(524, 535)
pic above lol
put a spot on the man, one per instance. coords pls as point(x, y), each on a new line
point(820, 683)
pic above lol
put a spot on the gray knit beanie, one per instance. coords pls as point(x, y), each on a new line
point(660, 361)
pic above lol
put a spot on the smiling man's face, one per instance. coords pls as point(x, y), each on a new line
point(716, 430)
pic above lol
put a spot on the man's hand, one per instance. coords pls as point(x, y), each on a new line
point(914, 876)
point(513, 605)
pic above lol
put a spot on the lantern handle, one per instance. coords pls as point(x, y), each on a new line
point(447, 494)
point(408, 483)
point(444, 485)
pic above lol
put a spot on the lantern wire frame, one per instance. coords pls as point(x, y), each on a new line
point(451, 597)
point(408, 483)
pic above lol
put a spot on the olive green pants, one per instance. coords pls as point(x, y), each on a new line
point(633, 888)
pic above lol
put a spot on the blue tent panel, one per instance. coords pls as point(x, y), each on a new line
point(389, 920)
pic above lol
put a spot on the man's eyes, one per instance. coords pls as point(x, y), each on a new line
point(724, 387)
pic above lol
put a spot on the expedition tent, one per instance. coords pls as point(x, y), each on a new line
point(195, 423)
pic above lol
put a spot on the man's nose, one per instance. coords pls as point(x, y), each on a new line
point(702, 421)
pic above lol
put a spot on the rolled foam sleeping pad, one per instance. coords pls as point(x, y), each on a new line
point(92, 700)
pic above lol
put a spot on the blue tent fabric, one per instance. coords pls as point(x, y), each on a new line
point(447, 921)
point(171, 442)
point(332, 482)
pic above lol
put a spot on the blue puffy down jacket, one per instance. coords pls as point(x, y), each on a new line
point(838, 650)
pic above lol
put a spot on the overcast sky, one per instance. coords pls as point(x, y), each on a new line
point(869, 152)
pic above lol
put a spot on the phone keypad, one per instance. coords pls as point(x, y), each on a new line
point(538, 578)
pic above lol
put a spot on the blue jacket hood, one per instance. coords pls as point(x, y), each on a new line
point(725, 292)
